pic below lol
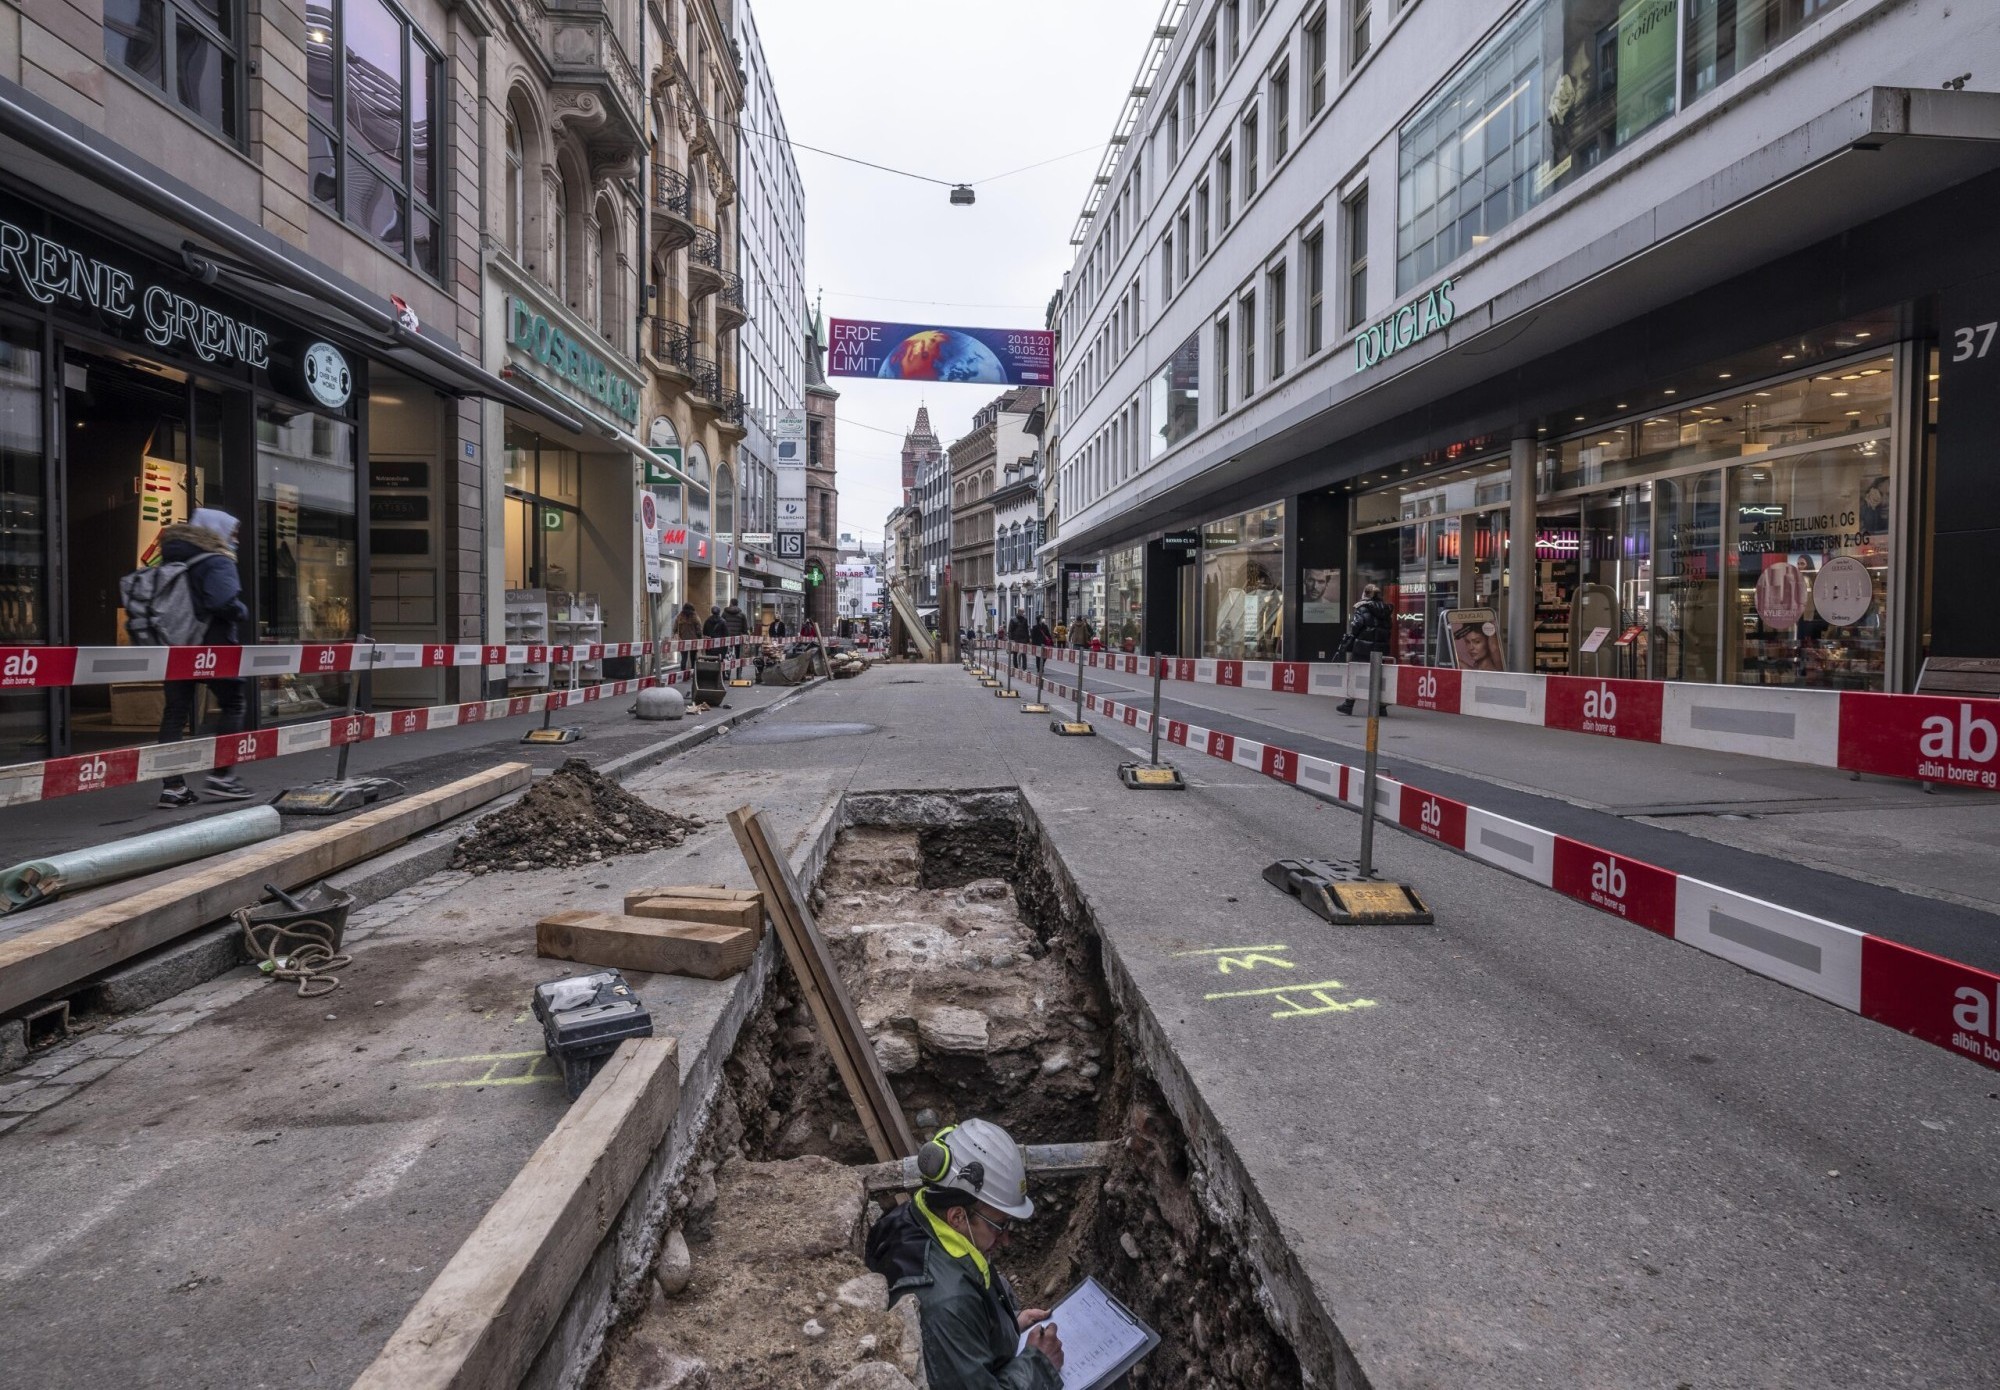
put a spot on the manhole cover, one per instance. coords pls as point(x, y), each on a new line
point(797, 733)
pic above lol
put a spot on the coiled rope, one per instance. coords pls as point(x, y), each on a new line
point(311, 962)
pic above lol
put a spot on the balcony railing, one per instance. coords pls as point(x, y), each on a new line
point(729, 405)
point(706, 249)
point(707, 377)
point(673, 192)
point(673, 343)
point(729, 308)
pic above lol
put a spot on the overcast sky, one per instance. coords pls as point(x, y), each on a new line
point(961, 91)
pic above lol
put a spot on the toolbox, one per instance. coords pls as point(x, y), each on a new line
point(584, 1018)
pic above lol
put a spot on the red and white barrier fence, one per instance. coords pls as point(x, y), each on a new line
point(1944, 1002)
point(1947, 739)
point(121, 767)
point(35, 668)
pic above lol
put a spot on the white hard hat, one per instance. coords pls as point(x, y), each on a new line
point(979, 1157)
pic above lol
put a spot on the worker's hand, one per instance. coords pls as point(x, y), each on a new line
point(1028, 1317)
point(1045, 1340)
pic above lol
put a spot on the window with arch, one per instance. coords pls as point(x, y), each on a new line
point(604, 255)
point(372, 89)
point(698, 479)
point(515, 230)
point(725, 500)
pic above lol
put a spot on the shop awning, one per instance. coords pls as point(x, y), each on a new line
point(52, 151)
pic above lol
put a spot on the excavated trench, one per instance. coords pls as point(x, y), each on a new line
point(983, 991)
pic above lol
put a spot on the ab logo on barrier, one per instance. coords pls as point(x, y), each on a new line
point(20, 667)
point(1433, 815)
point(204, 661)
point(1608, 879)
point(1427, 686)
point(92, 772)
point(1977, 739)
point(1601, 703)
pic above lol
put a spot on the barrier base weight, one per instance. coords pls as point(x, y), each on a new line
point(1153, 777)
point(1338, 893)
point(335, 798)
point(1003, 693)
point(742, 684)
point(566, 735)
point(1071, 728)
point(1034, 707)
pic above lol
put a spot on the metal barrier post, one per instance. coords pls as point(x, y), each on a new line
point(1159, 664)
point(1079, 684)
point(1368, 765)
point(1155, 775)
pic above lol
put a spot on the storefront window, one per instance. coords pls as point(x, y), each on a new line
point(1847, 398)
point(1124, 592)
point(23, 554)
point(1176, 396)
point(1242, 578)
point(1550, 98)
point(307, 551)
point(1682, 640)
point(1811, 538)
point(1726, 36)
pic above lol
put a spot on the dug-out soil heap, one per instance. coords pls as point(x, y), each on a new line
point(569, 819)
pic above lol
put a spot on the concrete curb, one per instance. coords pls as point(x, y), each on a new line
point(207, 953)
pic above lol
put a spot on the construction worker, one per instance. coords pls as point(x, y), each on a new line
point(938, 1246)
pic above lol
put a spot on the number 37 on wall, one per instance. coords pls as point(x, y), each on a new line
point(1972, 342)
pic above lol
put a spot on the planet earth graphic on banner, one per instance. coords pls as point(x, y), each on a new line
point(941, 354)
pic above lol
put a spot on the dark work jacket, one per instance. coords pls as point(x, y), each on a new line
point(1017, 629)
point(714, 627)
point(734, 624)
point(969, 1324)
point(1367, 630)
point(212, 575)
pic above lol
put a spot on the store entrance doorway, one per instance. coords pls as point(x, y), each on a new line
point(142, 448)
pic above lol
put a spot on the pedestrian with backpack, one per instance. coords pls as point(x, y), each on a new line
point(193, 597)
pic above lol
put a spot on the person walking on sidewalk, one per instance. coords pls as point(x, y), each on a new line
point(1042, 639)
point(1017, 632)
point(939, 1247)
point(206, 545)
point(735, 623)
point(715, 626)
point(1368, 631)
point(687, 628)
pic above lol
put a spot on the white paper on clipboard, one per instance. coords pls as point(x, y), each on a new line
point(1101, 1339)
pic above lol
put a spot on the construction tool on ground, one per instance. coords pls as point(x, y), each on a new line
point(833, 1010)
point(298, 936)
point(584, 1018)
point(1349, 895)
point(1153, 775)
point(339, 794)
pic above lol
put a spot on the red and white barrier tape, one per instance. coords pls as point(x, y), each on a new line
point(121, 767)
point(34, 668)
point(1928, 738)
point(1944, 1002)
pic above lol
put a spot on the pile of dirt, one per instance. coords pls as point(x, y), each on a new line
point(768, 1291)
point(571, 818)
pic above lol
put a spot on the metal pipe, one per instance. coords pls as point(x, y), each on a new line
point(1079, 685)
point(1368, 765)
point(39, 880)
point(38, 132)
point(1159, 664)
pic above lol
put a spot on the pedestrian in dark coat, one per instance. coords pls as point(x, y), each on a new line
point(206, 544)
point(1370, 630)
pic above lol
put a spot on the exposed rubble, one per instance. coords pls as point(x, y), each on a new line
point(570, 818)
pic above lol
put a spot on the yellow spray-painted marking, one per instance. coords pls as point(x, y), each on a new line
point(1322, 1002)
point(501, 1069)
point(1230, 959)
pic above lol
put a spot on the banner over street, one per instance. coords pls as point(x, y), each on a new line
point(929, 352)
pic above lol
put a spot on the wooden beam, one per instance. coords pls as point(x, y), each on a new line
point(41, 961)
point(682, 905)
point(486, 1315)
point(663, 947)
point(805, 949)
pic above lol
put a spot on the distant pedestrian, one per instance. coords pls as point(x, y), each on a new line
point(809, 631)
point(1061, 633)
point(1080, 633)
point(777, 630)
point(687, 628)
point(1370, 630)
point(1018, 634)
point(204, 550)
point(1041, 638)
point(715, 626)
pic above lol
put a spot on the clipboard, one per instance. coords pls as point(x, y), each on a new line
point(1102, 1338)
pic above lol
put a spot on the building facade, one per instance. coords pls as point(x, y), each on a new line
point(1017, 533)
point(1611, 337)
point(772, 265)
point(822, 481)
point(995, 449)
point(931, 465)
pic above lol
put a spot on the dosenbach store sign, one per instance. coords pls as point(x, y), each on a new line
point(531, 334)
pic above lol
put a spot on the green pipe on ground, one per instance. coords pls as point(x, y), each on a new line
point(39, 880)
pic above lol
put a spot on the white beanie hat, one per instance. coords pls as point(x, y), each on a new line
point(215, 519)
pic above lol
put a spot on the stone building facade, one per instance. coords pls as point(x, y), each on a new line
point(822, 484)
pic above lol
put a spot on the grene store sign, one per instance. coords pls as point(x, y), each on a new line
point(1410, 324)
point(48, 270)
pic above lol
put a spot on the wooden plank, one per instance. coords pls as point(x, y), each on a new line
point(854, 1056)
point(694, 890)
point(486, 1315)
point(748, 916)
point(41, 961)
point(701, 949)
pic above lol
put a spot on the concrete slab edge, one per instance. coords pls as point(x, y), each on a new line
point(1286, 1293)
point(211, 952)
point(614, 1285)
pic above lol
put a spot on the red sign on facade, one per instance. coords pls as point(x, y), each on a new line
point(1615, 709)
